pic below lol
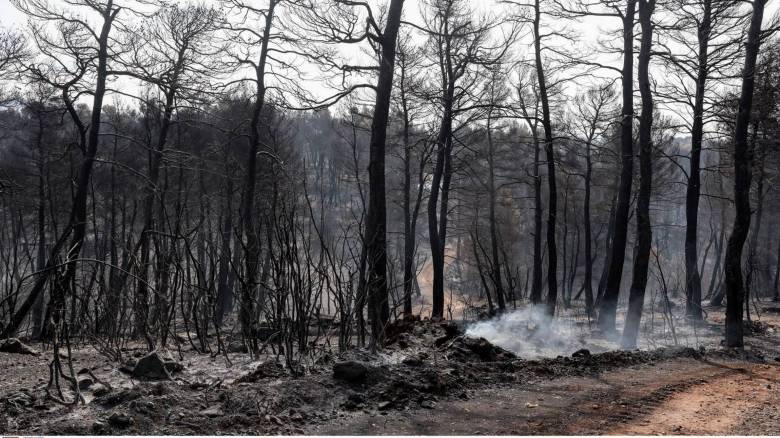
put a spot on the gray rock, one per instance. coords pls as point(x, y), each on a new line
point(152, 366)
point(428, 404)
point(350, 371)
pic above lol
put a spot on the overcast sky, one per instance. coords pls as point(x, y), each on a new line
point(589, 29)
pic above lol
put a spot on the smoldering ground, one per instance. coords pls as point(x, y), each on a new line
point(531, 333)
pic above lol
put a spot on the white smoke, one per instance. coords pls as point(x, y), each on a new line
point(531, 334)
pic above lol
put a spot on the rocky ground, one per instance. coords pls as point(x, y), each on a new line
point(431, 379)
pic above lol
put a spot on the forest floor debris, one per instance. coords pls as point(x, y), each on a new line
point(427, 367)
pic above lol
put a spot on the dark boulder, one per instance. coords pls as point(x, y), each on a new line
point(152, 366)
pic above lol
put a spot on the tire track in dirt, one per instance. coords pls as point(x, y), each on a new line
point(634, 398)
point(714, 406)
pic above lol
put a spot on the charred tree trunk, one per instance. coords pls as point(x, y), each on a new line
point(536, 282)
point(408, 235)
point(743, 162)
point(643, 226)
point(588, 232)
point(496, 263)
point(608, 251)
point(411, 212)
point(750, 275)
point(608, 305)
point(248, 225)
point(718, 291)
point(376, 221)
point(224, 303)
point(436, 240)
point(549, 149)
point(152, 192)
point(692, 275)
point(38, 309)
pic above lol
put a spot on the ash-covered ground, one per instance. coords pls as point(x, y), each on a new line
point(424, 365)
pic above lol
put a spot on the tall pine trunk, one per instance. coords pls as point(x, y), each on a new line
point(549, 149)
point(376, 221)
point(536, 282)
point(496, 262)
point(743, 162)
point(692, 274)
point(588, 233)
point(608, 305)
point(644, 230)
point(248, 225)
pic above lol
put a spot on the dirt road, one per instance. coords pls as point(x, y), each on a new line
point(683, 396)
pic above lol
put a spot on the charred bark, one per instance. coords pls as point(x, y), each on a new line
point(376, 220)
point(643, 226)
point(608, 305)
point(743, 162)
point(249, 227)
point(549, 149)
point(693, 192)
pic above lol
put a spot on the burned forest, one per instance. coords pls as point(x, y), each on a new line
point(425, 217)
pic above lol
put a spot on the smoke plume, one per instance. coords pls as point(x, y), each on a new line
point(530, 333)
